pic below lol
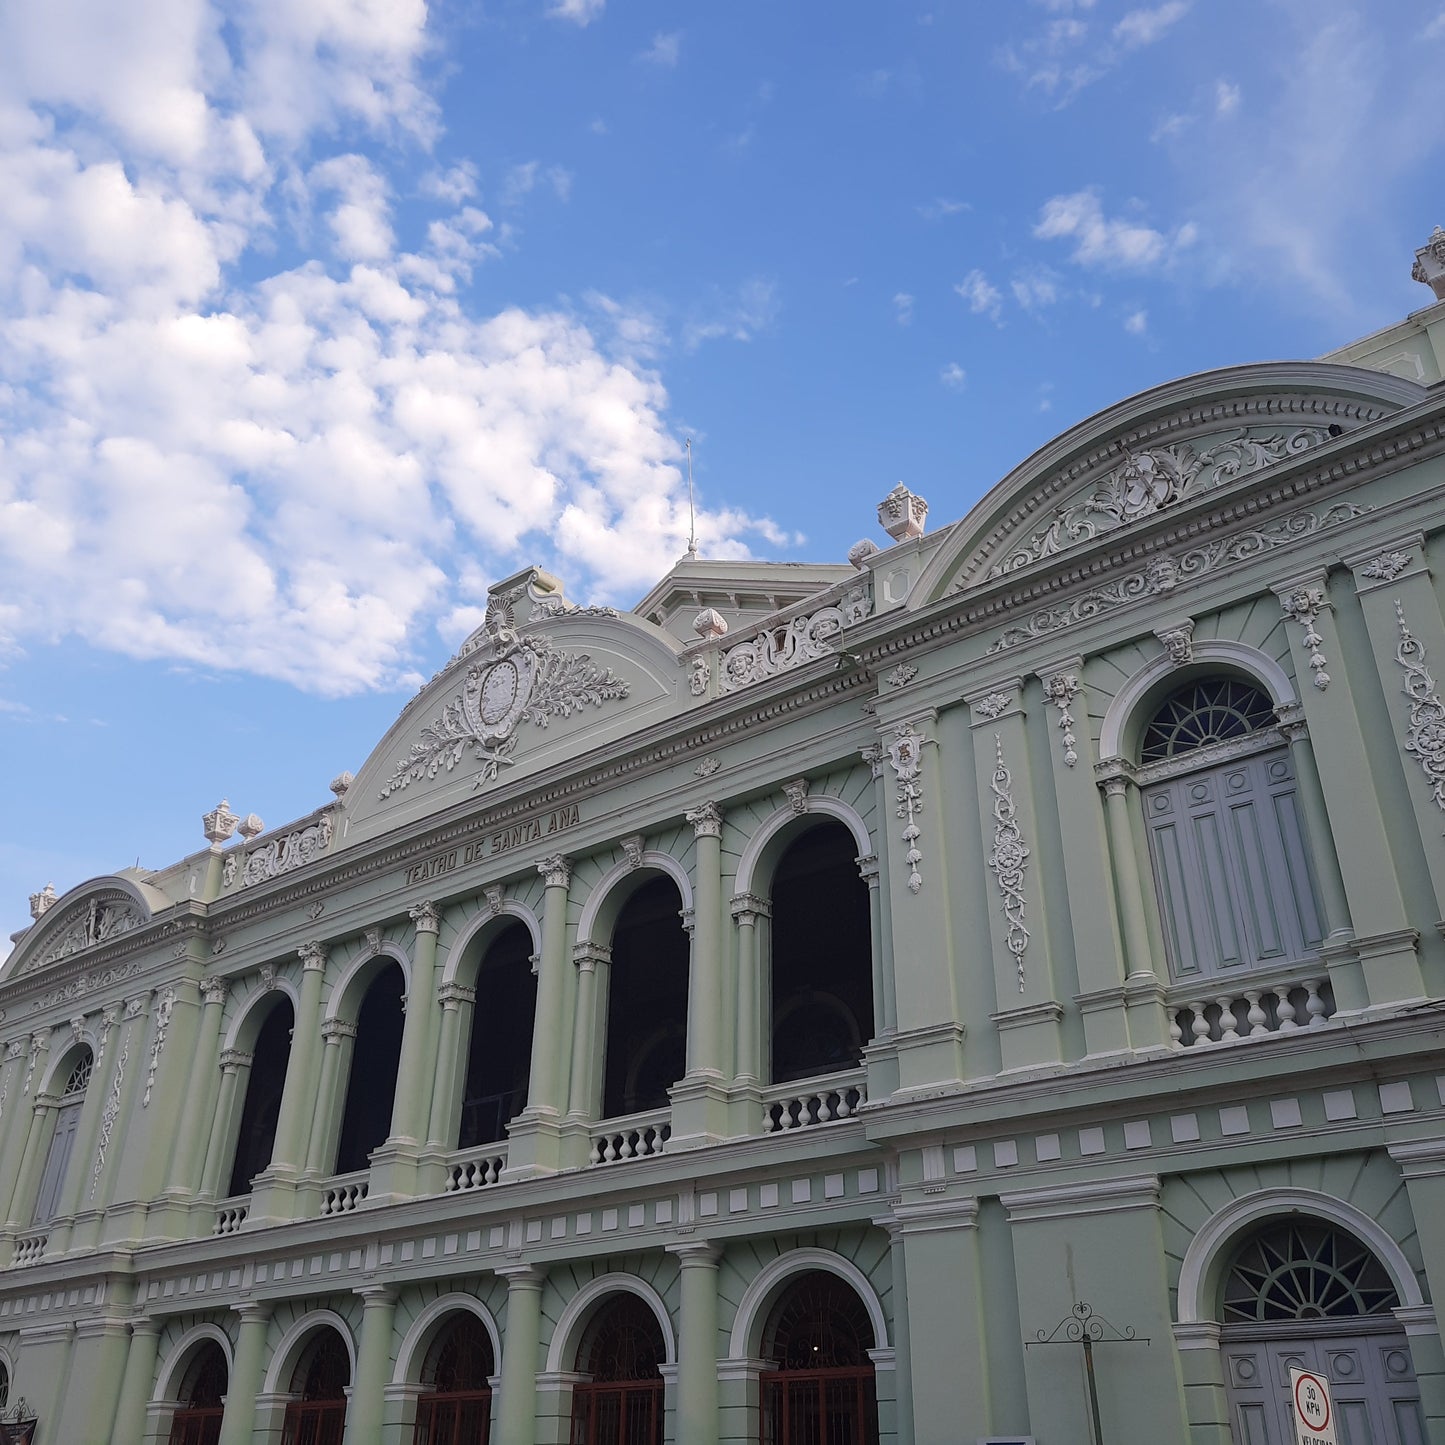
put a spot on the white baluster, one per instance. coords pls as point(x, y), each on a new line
point(1258, 1019)
point(1228, 1024)
point(1200, 1027)
point(1176, 1034)
point(1314, 1005)
point(1287, 1025)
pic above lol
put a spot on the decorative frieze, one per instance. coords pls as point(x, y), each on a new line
point(1163, 574)
point(1304, 605)
point(281, 855)
point(1425, 737)
point(905, 757)
point(1009, 859)
point(1061, 688)
point(86, 983)
point(775, 650)
point(164, 1009)
point(94, 922)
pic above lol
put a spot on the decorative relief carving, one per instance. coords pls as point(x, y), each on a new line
point(873, 756)
point(372, 938)
point(706, 820)
point(1149, 481)
point(219, 823)
point(163, 1022)
point(426, 917)
point(86, 983)
point(1425, 739)
point(556, 871)
point(993, 705)
point(1305, 604)
point(41, 903)
point(281, 855)
point(135, 1007)
point(905, 757)
point(857, 604)
point(901, 675)
point(1178, 643)
point(111, 1113)
point(77, 1028)
point(268, 977)
point(38, 1041)
point(1387, 566)
point(707, 767)
point(699, 676)
point(313, 955)
point(1009, 858)
point(88, 924)
point(527, 680)
point(496, 895)
point(796, 793)
point(632, 848)
point(315, 909)
point(779, 649)
point(1061, 688)
point(902, 514)
point(1164, 574)
point(108, 1018)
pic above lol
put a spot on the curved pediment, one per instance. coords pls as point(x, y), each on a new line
point(96, 912)
point(1153, 452)
point(540, 681)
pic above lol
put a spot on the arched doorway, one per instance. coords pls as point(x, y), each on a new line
point(456, 1408)
point(371, 1089)
point(821, 977)
point(197, 1420)
point(318, 1415)
point(265, 1083)
point(646, 1049)
point(500, 1051)
point(820, 1389)
point(620, 1401)
point(77, 1072)
point(1303, 1293)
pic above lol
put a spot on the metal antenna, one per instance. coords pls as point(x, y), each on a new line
point(691, 506)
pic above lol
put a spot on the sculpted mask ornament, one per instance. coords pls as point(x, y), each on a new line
point(905, 757)
point(699, 676)
point(1061, 688)
point(268, 977)
point(1304, 604)
point(1178, 643)
point(796, 793)
point(495, 894)
point(632, 848)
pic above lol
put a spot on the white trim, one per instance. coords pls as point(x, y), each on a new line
point(392, 951)
point(563, 1343)
point(510, 908)
point(62, 1059)
point(1235, 654)
point(799, 1261)
point(819, 804)
point(447, 1304)
point(248, 1002)
point(658, 862)
point(282, 1360)
point(1227, 1223)
point(168, 1377)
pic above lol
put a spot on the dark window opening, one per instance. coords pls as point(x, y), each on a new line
point(822, 957)
point(198, 1419)
point(621, 1402)
point(321, 1378)
point(371, 1090)
point(62, 1137)
point(457, 1406)
point(500, 1054)
point(821, 1388)
point(646, 1002)
point(262, 1109)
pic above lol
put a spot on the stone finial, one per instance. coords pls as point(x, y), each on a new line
point(219, 823)
point(861, 551)
point(250, 826)
point(709, 623)
point(902, 515)
point(1429, 267)
point(340, 783)
point(42, 902)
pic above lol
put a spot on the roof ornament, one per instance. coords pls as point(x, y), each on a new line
point(902, 514)
point(1429, 267)
point(42, 902)
point(691, 506)
point(861, 551)
point(709, 623)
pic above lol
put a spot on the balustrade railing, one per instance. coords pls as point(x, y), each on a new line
point(805, 1103)
point(476, 1170)
point(632, 1138)
point(231, 1215)
point(30, 1248)
point(1225, 1013)
point(344, 1194)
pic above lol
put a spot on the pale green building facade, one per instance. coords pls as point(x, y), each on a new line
point(896, 960)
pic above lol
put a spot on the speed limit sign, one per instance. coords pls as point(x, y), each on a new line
point(1314, 1415)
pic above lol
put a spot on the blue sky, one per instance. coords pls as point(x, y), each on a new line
point(318, 315)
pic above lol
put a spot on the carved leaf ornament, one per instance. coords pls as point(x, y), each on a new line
point(1425, 737)
point(90, 923)
point(532, 681)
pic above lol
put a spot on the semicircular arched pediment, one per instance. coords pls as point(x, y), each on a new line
point(96, 912)
point(1159, 449)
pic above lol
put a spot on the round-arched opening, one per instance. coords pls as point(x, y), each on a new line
point(73, 1077)
point(371, 1089)
point(499, 1055)
point(620, 1354)
point(821, 972)
point(1212, 709)
point(820, 1384)
point(646, 1048)
point(197, 1420)
point(265, 1082)
point(317, 1413)
point(456, 1406)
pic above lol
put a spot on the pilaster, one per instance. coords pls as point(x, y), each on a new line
point(516, 1412)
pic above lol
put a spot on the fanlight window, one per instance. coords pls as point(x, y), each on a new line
point(1212, 710)
point(621, 1404)
point(198, 1420)
point(79, 1078)
point(319, 1416)
point(457, 1406)
point(1302, 1270)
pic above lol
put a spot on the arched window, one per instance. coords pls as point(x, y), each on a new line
point(62, 1139)
point(371, 1090)
point(1302, 1269)
point(318, 1417)
point(620, 1403)
point(197, 1420)
point(1227, 841)
point(646, 1002)
point(500, 1052)
point(262, 1109)
point(457, 1406)
point(821, 1385)
point(822, 957)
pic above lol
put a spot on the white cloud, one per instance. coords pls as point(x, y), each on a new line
point(1435, 29)
point(1099, 240)
point(452, 186)
point(736, 316)
point(1035, 290)
point(1145, 27)
point(664, 50)
point(940, 207)
point(953, 376)
point(580, 12)
point(521, 180)
point(1226, 97)
point(903, 308)
point(983, 297)
point(1069, 54)
point(1136, 323)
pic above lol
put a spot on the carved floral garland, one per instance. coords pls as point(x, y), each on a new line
point(1009, 858)
point(163, 1021)
point(1425, 739)
point(111, 1114)
point(905, 756)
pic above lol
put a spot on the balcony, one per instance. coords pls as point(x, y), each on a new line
point(632, 1137)
point(808, 1103)
point(475, 1169)
point(1219, 1011)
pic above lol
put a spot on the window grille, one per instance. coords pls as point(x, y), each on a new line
point(319, 1417)
point(457, 1408)
point(1212, 710)
point(79, 1078)
point(622, 1403)
point(198, 1421)
point(1303, 1270)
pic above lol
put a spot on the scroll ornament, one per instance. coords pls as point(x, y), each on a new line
point(905, 757)
point(1425, 736)
point(1009, 858)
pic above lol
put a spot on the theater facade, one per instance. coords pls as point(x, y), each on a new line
point(810, 1006)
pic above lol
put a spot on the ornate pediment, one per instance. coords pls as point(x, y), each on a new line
point(87, 924)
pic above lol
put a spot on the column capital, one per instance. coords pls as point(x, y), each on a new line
point(452, 994)
point(1114, 776)
point(1292, 721)
point(706, 820)
point(313, 955)
point(696, 1253)
point(747, 908)
point(233, 1059)
point(376, 1296)
point(521, 1276)
point(145, 1326)
point(868, 869)
point(214, 989)
point(556, 871)
point(426, 916)
point(253, 1311)
point(334, 1030)
point(587, 955)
